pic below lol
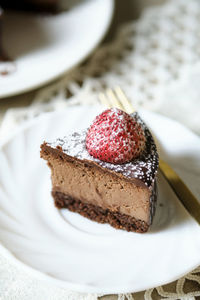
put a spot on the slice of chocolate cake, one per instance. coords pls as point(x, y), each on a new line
point(120, 193)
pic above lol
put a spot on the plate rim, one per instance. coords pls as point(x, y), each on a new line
point(39, 275)
point(80, 288)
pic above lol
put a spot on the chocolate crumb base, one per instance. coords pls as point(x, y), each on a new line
point(96, 213)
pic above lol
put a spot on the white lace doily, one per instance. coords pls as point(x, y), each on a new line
point(156, 60)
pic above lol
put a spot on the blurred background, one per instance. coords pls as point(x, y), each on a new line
point(149, 47)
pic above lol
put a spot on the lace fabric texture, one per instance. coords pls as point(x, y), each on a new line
point(156, 60)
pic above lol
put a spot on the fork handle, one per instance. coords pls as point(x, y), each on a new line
point(181, 190)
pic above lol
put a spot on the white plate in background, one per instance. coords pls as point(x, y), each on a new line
point(45, 46)
point(71, 251)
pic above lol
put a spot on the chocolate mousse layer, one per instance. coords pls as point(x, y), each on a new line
point(122, 195)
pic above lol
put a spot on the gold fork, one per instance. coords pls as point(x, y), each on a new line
point(117, 98)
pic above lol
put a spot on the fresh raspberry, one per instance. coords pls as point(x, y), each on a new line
point(115, 137)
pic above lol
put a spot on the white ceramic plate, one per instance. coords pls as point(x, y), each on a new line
point(44, 47)
point(71, 251)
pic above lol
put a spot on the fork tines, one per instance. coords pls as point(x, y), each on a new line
point(116, 98)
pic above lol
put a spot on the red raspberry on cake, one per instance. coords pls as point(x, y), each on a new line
point(115, 137)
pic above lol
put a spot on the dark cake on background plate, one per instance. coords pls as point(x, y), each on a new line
point(49, 6)
point(34, 5)
point(120, 193)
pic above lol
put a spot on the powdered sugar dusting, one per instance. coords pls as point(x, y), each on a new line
point(143, 168)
